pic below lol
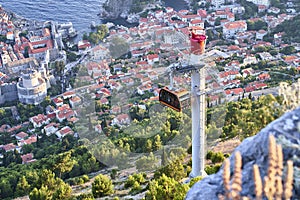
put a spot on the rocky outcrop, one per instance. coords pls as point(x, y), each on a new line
point(115, 8)
point(254, 150)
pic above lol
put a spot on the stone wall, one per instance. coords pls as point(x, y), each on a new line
point(8, 92)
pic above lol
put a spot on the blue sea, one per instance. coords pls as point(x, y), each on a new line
point(80, 12)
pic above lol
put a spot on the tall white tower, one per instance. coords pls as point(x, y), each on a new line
point(198, 40)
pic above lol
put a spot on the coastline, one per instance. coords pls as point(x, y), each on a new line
point(84, 27)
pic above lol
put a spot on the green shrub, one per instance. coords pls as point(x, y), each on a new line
point(136, 188)
point(209, 155)
point(113, 173)
point(85, 178)
point(217, 157)
point(212, 169)
point(71, 181)
point(188, 170)
point(135, 178)
point(129, 182)
point(79, 181)
point(85, 196)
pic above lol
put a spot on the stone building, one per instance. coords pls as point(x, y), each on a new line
point(32, 87)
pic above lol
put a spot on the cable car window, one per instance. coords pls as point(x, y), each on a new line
point(170, 99)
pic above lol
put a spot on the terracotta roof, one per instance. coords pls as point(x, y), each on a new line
point(249, 89)
point(14, 128)
point(105, 91)
point(104, 101)
point(260, 85)
point(40, 118)
point(65, 114)
point(196, 21)
point(22, 135)
point(228, 73)
point(69, 93)
point(50, 125)
point(75, 99)
point(57, 100)
point(51, 115)
point(73, 119)
point(233, 48)
point(33, 50)
point(123, 117)
point(66, 131)
point(142, 63)
point(237, 91)
point(31, 139)
point(27, 158)
point(290, 59)
point(235, 25)
point(9, 147)
point(264, 76)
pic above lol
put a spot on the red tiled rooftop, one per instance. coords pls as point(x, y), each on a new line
point(69, 93)
point(66, 131)
point(31, 139)
point(9, 147)
point(235, 25)
point(75, 99)
point(57, 100)
point(40, 118)
point(27, 157)
point(22, 135)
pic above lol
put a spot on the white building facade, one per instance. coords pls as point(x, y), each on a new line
point(261, 2)
point(231, 28)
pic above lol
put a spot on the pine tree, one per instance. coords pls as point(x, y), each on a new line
point(63, 163)
point(102, 186)
point(166, 188)
point(157, 143)
point(42, 193)
point(22, 186)
point(148, 146)
point(63, 192)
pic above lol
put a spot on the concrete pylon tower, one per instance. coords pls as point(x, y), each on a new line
point(198, 41)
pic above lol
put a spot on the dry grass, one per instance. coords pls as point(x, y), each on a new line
point(272, 187)
point(227, 146)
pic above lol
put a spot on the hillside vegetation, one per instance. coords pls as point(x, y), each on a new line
point(291, 29)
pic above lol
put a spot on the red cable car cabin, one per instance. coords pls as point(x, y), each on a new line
point(177, 100)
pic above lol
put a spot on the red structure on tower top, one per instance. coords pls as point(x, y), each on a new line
point(198, 40)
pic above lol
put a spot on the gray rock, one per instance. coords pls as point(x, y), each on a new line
point(114, 8)
point(254, 150)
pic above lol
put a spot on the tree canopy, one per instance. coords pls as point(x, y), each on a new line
point(166, 188)
point(118, 48)
point(102, 186)
point(290, 29)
